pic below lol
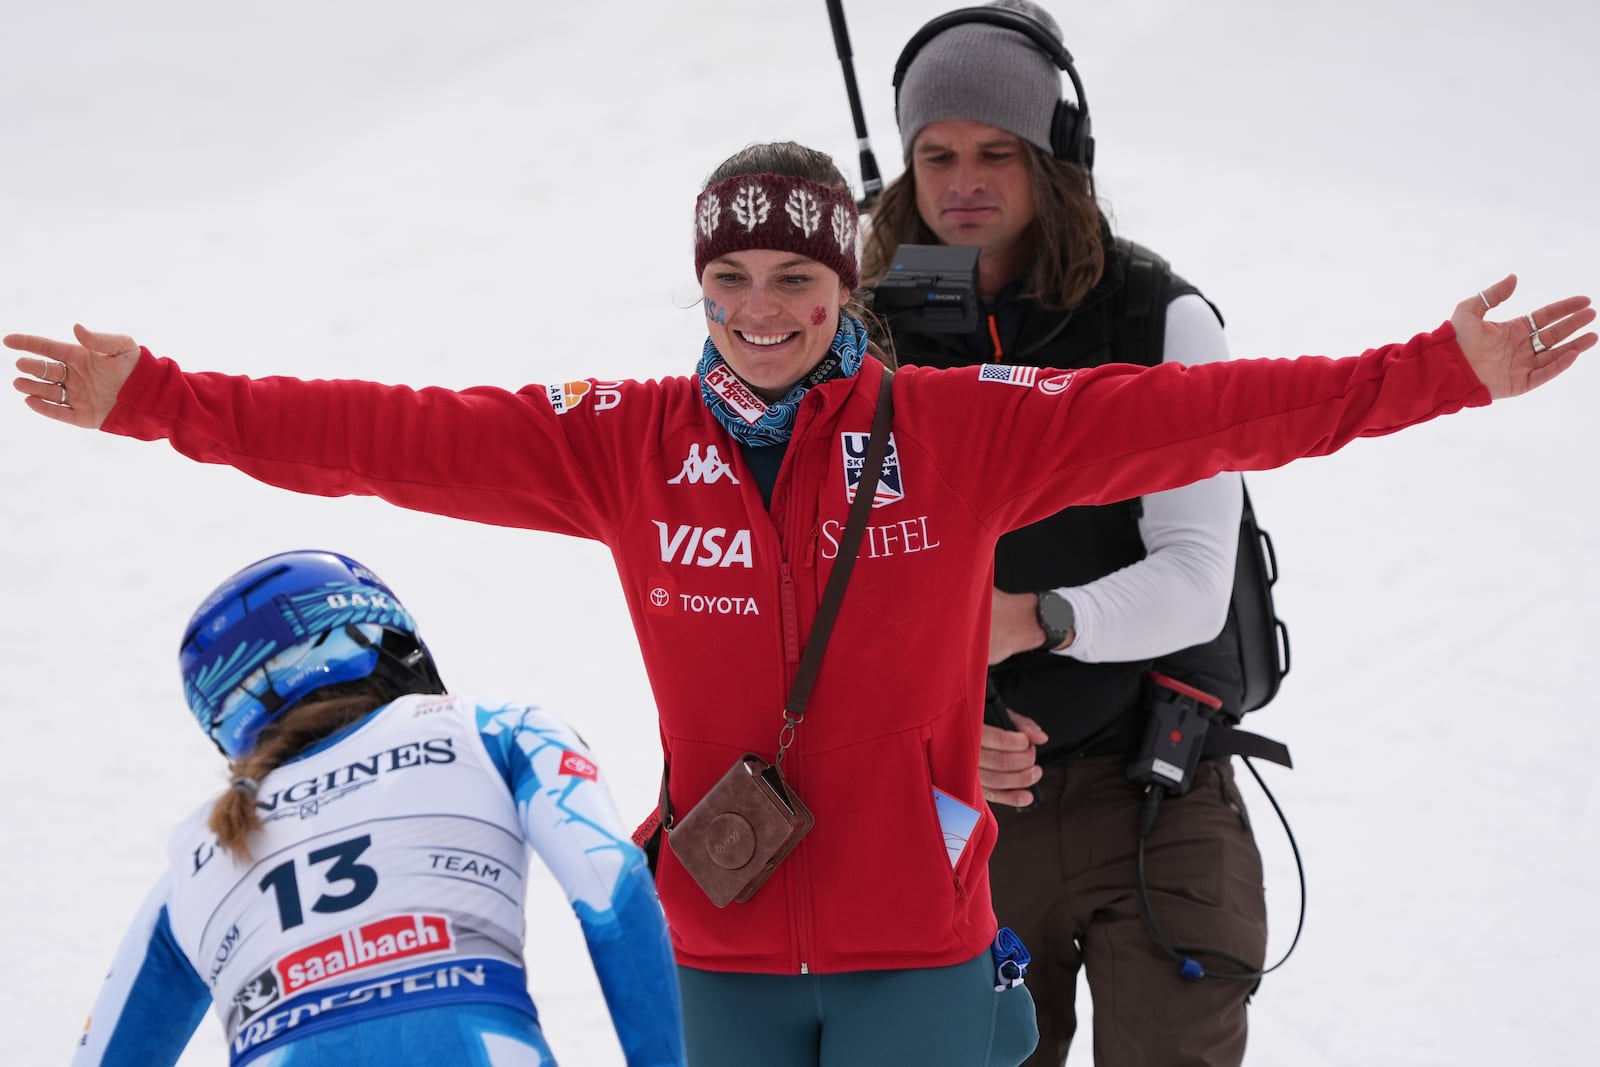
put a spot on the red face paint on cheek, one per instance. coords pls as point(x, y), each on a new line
point(819, 315)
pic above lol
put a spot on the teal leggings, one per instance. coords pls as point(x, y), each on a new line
point(933, 1017)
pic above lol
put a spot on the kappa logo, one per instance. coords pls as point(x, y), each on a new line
point(1008, 374)
point(703, 546)
point(568, 395)
point(890, 488)
point(577, 766)
point(1057, 385)
point(709, 468)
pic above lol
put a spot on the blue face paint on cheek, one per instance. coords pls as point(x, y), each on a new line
point(714, 313)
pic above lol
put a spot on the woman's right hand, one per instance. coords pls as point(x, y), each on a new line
point(74, 383)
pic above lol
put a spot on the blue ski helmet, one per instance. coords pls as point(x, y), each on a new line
point(285, 627)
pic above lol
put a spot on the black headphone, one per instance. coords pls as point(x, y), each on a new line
point(1070, 139)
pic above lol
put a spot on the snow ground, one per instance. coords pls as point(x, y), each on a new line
point(499, 192)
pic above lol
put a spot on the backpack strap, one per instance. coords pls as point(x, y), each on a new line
point(1149, 286)
point(1223, 739)
point(1139, 336)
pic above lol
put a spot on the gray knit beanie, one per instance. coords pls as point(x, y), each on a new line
point(985, 73)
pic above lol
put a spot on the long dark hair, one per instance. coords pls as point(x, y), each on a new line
point(794, 160)
point(1069, 254)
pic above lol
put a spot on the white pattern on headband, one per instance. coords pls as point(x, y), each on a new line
point(710, 215)
point(844, 230)
point(804, 211)
point(750, 206)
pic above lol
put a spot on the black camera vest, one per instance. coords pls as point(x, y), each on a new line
point(1086, 708)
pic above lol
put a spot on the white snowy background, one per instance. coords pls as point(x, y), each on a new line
point(499, 192)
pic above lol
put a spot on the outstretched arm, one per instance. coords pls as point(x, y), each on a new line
point(571, 822)
point(74, 383)
point(483, 454)
point(1114, 431)
point(1513, 357)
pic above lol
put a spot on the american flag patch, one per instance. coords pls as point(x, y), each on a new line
point(1010, 375)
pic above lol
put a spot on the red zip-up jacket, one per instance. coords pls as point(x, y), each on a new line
point(723, 590)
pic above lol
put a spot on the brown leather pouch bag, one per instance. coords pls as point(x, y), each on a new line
point(743, 827)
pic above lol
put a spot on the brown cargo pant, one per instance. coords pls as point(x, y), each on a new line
point(1064, 879)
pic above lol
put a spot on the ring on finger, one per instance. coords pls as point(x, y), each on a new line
point(1534, 338)
point(63, 387)
point(1486, 305)
point(63, 380)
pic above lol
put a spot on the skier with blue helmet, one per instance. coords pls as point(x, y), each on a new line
point(357, 890)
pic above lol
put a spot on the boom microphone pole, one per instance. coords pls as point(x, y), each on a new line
point(871, 184)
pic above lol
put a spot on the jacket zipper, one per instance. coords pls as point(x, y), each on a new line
point(790, 614)
point(799, 898)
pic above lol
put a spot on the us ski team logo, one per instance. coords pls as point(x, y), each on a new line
point(890, 488)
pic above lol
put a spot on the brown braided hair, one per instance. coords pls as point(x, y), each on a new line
point(322, 714)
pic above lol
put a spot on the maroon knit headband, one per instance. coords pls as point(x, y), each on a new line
point(778, 212)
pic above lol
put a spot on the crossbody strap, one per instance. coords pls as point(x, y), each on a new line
point(849, 547)
point(855, 529)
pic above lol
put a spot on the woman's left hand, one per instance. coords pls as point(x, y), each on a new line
point(1513, 357)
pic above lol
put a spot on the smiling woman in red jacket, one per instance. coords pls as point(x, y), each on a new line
point(722, 496)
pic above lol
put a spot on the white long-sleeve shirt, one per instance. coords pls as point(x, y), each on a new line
point(1177, 596)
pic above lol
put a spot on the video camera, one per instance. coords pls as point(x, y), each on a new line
point(930, 289)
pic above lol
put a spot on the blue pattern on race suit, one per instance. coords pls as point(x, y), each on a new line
point(156, 994)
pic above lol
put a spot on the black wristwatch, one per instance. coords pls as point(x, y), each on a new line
point(1056, 618)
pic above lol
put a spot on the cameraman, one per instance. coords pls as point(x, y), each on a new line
point(1089, 599)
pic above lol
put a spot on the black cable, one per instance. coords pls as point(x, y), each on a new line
point(1183, 955)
